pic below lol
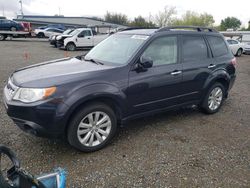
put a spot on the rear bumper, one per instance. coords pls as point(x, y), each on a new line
point(233, 77)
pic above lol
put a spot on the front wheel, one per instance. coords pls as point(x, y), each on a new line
point(2, 37)
point(92, 128)
point(71, 47)
point(213, 99)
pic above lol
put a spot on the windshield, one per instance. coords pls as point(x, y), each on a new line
point(116, 49)
point(67, 31)
point(75, 32)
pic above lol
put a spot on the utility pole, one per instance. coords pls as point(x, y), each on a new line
point(21, 4)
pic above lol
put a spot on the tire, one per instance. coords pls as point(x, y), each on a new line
point(80, 130)
point(239, 52)
point(207, 105)
point(2, 37)
point(40, 35)
point(71, 47)
point(13, 29)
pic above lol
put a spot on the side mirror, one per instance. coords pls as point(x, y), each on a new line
point(146, 62)
point(143, 64)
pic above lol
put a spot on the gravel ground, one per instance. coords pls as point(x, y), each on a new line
point(183, 148)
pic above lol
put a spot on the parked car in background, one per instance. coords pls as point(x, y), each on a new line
point(129, 75)
point(41, 33)
point(236, 47)
point(81, 38)
point(247, 48)
point(56, 26)
point(10, 25)
point(52, 38)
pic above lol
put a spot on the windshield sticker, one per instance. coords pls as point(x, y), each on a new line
point(141, 37)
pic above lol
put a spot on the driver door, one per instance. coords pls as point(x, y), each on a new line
point(84, 39)
point(159, 86)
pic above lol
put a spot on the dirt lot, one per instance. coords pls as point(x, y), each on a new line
point(184, 148)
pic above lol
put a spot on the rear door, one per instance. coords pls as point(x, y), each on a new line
point(197, 65)
point(158, 86)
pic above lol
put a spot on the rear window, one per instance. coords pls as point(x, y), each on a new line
point(218, 46)
point(194, 48)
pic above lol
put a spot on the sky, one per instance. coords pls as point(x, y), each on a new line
point(132, 8)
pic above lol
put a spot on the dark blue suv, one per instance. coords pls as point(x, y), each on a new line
point(9, 25)
point(131, 74)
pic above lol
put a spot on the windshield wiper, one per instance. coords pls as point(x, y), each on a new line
point(94, 61)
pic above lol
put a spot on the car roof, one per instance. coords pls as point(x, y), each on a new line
point(175, 30)
point(139, 31)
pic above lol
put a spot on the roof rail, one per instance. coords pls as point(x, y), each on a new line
point(197, 28)
point(133, 28)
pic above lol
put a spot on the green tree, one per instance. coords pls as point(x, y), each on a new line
point(141, 22)
point(191, 18)
point(230, 23)
point(116, 18)
point(164, 18)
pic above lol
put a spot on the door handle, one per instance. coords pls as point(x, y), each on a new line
point(176, 72)
point(211, 66)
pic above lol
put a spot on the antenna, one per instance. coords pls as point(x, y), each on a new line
point(21, 4)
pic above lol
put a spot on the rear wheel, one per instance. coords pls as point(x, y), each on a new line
point(239, 52)
point(71, 47)
point(92, 128)
point(213, 99)
point(40, 35)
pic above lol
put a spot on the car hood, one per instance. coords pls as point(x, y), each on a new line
point(56, 72)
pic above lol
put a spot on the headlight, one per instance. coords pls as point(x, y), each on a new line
point(58, 37)
point(28, 95)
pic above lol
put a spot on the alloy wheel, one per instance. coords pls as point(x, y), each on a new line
point(94, 129)
point(215, 98)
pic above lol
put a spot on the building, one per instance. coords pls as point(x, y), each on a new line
point(99, 25)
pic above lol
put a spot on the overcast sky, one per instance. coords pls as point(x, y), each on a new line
point(218, 8)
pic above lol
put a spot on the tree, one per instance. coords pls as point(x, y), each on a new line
point(141, 22)
point(116, 18)
point(191, 18)
point(230, 23)
point(165, 17)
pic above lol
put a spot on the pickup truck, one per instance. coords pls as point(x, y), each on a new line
point(80, 38)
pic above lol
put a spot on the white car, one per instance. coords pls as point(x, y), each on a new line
point(81, 38)
point(41, 33)
point(236, 47)
point(247, 48)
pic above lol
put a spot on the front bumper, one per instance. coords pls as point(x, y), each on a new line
point(247, 51)
point(44, 118)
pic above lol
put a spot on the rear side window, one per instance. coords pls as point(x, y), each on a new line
point(194, 48)
point(218, 46)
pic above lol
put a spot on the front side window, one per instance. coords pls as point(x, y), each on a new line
point(194, 48)
point(162, 51)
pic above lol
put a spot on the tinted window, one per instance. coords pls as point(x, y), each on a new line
point(162, 51)
point(85, 33)
point(229, 41)
point(194, 48)
point(234, 42)
point(218, 46)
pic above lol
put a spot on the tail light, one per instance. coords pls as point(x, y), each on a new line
point(233, 62)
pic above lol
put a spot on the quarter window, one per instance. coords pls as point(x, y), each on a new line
point(194, 48)
point(162, 51)
point(218, 46)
